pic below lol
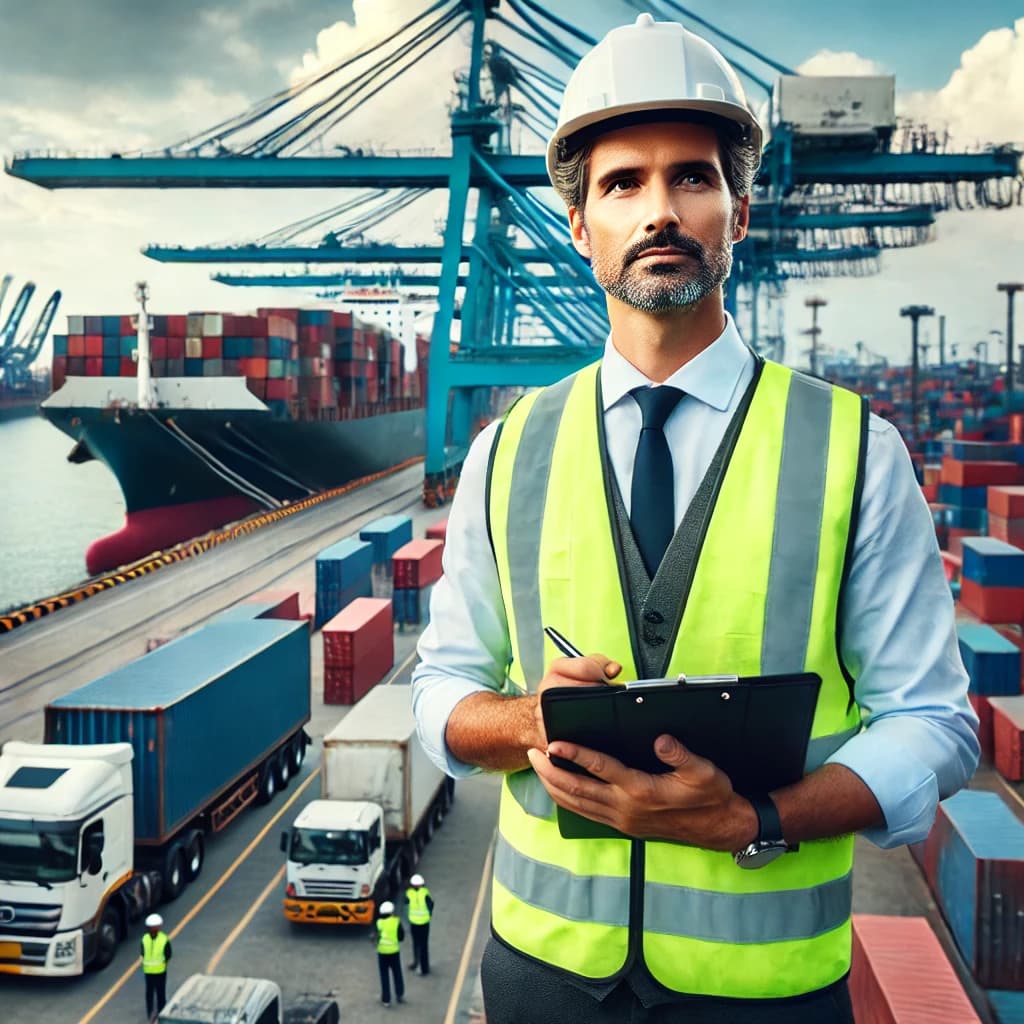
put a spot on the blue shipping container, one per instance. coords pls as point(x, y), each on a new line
point(992, 661)
point(387, 535)
point(343, 572)
point(992, 562)
point(199, 712)
point(965, 497)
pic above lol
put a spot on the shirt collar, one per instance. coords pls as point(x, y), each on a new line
point(710, 377)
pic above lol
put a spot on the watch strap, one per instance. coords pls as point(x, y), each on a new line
point(769, 825)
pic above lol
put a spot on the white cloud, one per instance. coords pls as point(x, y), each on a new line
point(832, 62)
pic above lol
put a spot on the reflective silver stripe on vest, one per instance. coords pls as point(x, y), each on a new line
point(596, 899)
point(820, 749)
point(528, 494)
point(798, 516)
point(530, 794)
point(736, 918)
point(740, 918)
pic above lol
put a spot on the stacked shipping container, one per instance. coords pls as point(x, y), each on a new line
point(303, 363)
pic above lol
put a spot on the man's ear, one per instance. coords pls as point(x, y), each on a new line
point(578, 229)
point(741, 220)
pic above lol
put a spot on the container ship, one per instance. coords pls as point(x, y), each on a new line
point(206, 418)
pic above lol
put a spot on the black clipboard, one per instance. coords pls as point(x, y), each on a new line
point(755, 728)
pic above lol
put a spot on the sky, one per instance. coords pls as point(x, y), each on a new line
point(100, 76)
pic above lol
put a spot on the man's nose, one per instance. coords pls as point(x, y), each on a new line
point(661, 211)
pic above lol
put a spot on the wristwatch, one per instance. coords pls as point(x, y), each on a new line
point(769, 843)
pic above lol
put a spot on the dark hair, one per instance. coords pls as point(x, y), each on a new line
point(740, 161)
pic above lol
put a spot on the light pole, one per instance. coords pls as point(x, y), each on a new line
point(1011, 288)
point(815, 302)
point(915, 313)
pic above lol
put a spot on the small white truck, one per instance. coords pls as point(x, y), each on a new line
point(210, 999)
point(382, 800)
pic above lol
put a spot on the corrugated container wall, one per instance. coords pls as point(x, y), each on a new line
point(199, 713)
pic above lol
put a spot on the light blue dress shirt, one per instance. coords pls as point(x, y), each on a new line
point(919, 741)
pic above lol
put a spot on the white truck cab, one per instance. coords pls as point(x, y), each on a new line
point(211, 999)
point(335, 851)
point(66, 846)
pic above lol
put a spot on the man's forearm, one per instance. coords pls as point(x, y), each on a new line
point(829, 802)
point(492, 731)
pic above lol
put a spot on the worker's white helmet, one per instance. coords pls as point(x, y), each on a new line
point(649, 66)
point(154, 921)
point(387, 907)
point(416, 880)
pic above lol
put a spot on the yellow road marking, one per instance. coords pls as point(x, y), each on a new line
point(211, 967)
point(467, 949)
point(131, 972)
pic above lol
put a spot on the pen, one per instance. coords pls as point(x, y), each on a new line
point(562, 644)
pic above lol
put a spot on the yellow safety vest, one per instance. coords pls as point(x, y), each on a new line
point(387, 934)
point(419, 912)
point(764, 598)
point(153, 960)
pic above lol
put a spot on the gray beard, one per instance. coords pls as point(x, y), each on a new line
point(665, 288)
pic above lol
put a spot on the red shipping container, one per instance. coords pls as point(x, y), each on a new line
point(417, 564)
point(362, 628)
point(954, 535)
point(157, 348)
point(257, 385)
point(1009, 530)
point(76, 366)
point(346, 684)
point(900, 974)
point(279, 389)
point(1007, 724)
point(438, 531)
point(979, 474)
point(340, 319)
point(1005, 501)
point(254, 366)
point(93, 366)
point(285, 604)
point(76, 345)
point(127, 327)
point(129, 368)
point(993, 604)
point(58, 372)
point(94, 345)
point(176, 328)
point(213, 348)
point(930, 492)
point(176, 347)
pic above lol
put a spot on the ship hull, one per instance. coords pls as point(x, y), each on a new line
point(185, 471)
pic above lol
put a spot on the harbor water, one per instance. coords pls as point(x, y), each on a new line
point(50, 511)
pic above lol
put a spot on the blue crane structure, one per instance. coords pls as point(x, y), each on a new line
point(19, 351)
point(822, 206)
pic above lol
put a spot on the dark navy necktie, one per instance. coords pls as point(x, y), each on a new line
point(652, 496)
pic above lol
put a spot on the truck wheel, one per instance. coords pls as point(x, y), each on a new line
point(107, 937)
point(174, 874)
point(283, 767)
point(195, 854)
point(268, 783)
point(298, 752)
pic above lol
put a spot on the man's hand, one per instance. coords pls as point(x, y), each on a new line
point(588, 671)
point(694, 803)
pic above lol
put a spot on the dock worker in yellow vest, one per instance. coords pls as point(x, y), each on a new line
point(390, 934)
point(156, 955)
point(419, 909)
point(685, 506)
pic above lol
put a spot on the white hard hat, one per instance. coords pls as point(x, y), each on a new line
point(650, 66)
point(154, 921)
point(387, 907)
point(416, 880)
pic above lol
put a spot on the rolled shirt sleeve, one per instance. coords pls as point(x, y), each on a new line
point(465, 647)
point(919, 742)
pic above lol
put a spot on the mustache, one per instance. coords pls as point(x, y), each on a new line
point(668, 238)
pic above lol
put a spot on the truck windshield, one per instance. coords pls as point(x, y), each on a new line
point(34, 851)
point(317, 846)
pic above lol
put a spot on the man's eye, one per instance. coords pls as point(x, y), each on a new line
point(693, 178)
point(621, 185)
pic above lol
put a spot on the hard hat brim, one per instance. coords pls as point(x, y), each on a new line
point(615, 117)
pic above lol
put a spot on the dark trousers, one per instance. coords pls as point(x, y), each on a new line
point(520, 991)
point(390, 966)
point(156, 993)
point(420, 952)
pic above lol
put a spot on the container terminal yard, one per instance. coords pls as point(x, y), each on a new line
point(285, 472)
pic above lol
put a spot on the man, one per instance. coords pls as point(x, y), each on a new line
point(685, 507)
point(156, 954)
point(420, 908)
point(390, 934)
